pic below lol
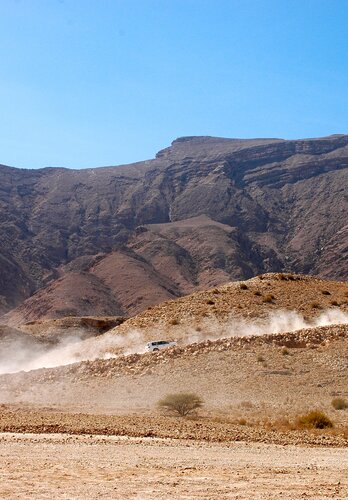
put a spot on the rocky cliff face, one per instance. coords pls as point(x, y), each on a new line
point(115, 240)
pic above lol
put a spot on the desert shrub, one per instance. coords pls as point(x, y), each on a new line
point(334, 303)
point(246, 404)
point(315, 305)
point(345, 294)
point(260, 358)
point(181, 404)
point(174, 321)
point(243, 286)
point(210, 302)
point(285, 351)
point(216, 291)
point(339, 403)
point(268, 298)
point(315, 419)
point(257, 293)
point(282, 277)
point(325, 292)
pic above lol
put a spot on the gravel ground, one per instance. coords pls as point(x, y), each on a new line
point(70, 466)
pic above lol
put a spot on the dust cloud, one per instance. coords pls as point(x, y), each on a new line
point(73, 349)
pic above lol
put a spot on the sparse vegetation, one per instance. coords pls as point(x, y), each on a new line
point(210, 302)
point(285, 351)
point(334, 303)
point(181, 404)
point(325, 292)
point(314, 419)
point(174, 321)
point(268, 298)
point(315, 305)
point(243, 286)
point(260, 359)
point(339, 403)
point(257, 293)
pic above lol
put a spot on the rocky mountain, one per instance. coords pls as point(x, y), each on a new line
point(115, 240)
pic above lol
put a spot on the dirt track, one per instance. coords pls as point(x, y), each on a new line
point(57, 466)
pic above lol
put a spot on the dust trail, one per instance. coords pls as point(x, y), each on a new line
point(281, 321)
point(110, 345)
point(70, 350)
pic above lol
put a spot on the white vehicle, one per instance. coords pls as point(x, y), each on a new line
point(159, 344)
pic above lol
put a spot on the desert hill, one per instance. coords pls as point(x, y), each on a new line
point(205, 211)
point(260, 352)
point(258, 298)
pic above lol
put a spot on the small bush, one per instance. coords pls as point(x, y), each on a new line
point(216, 291)
point(257, 293)
point(268, 298)
point(210, 302)
point(282, 277)
point(260, 358)
point(181, 404)
point(243, 286)
point(339, 403)
point(334, 303)
point(325, 292)
point(314, 419)
point(174, 321)
point(285, 351)
point(315, 305)
point(246, 404)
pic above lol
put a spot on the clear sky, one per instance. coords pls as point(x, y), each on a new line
point(102, 82)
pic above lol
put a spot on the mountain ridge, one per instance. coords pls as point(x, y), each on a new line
point(282, 203)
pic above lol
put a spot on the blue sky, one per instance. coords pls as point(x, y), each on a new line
point(88, 83)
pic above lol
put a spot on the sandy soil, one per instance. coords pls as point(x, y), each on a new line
point(57, 466)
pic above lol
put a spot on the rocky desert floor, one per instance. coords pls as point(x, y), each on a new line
point(45, 466)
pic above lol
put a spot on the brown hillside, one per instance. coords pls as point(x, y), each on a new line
point(254, 298)
point(205, 211)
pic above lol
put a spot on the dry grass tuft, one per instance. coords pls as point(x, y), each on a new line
point(314, 419)
point(339, 403)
